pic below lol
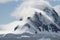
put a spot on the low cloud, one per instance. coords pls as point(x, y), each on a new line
point(8, 28)
point(25, 9)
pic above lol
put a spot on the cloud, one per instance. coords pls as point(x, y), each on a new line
point(4, 1)
point(8, 28)
point(57, 8)
point(25, 9)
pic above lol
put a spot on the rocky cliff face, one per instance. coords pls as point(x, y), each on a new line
point(39, 22)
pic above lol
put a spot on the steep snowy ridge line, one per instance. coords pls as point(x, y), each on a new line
point(45, 15)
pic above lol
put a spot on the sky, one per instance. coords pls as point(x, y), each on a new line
point(9, 6)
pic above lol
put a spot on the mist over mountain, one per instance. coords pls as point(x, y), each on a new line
point(37, 19)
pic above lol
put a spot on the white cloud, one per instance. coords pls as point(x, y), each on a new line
point(8, 28)
point(57, 8)
point(4, 1)
point(25, 9)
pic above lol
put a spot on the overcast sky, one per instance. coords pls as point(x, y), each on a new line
point(8, 6)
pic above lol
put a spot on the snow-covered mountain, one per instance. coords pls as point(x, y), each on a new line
point(40, 20)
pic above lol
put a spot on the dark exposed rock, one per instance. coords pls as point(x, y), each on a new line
point(16, 27)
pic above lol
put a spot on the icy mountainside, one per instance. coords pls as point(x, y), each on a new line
point(39, 21)
point(40, 14)
point(44, 20)
point(35, 24)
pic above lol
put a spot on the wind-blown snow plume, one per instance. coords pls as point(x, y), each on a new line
point(8, 28)
point(25, 9)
